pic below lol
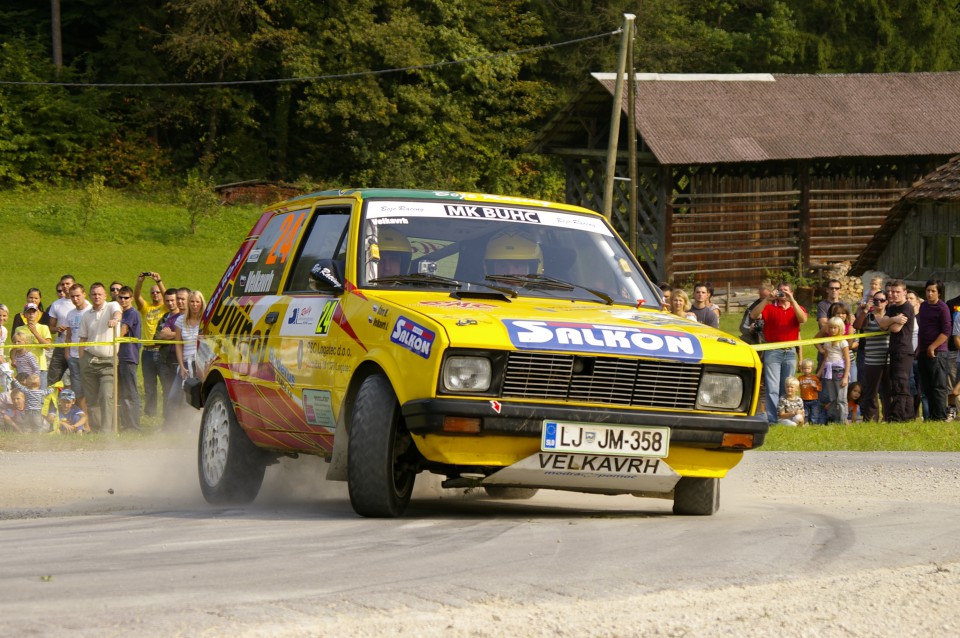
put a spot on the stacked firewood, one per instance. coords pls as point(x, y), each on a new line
point(851, 289)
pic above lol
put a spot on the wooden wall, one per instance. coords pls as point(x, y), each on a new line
point(743, 223)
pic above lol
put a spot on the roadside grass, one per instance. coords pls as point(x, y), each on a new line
point(913, 436)
point(126, 233)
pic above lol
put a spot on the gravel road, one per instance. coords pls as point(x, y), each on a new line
point(875, 503)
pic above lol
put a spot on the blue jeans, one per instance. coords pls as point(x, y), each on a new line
point(150, 367)
point(777, 365)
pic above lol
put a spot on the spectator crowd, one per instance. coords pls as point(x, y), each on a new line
point(908, 371)
point(70, 386)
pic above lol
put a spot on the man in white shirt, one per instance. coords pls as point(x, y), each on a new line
point(78, 297)
point(58, 312)
point(99, 325)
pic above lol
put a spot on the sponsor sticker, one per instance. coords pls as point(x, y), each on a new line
point(492, 212)
point(254, 255)
point(413, 337)
point(302, 316)
point(603, 339)
point(258, 282)
point(463, 305)
point(318, 408)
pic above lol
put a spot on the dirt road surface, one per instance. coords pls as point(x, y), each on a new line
point(120, 543)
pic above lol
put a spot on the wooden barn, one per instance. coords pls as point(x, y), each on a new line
point(744, 176)
point(920, 239)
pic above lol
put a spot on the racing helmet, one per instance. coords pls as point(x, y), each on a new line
point(394, 252)
point(512, 253)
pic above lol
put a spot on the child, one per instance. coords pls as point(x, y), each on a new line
point(835, 371)
point(841, 310)
point(14, 415)
point(853, 402)
point(810, 392)
point(23, 360)
point(876, 285)
point(33, 402)
point(790, 407)
point(69, 417)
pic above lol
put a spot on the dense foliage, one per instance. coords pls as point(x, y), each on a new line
point(423, 124)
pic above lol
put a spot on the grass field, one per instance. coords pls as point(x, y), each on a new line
point(129, 233)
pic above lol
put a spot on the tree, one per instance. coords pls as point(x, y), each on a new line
point(878, 36)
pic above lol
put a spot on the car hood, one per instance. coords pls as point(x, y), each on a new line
point(535, 323)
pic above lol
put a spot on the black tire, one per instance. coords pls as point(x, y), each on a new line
point(230, 466)
point(380, 457)
point(696, 496)
point(510, 493)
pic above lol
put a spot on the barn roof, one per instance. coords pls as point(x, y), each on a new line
point(942, 185)
point(706, 119)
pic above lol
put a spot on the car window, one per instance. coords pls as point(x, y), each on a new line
point(517, 246)
point(264, 266)
point(324, 240)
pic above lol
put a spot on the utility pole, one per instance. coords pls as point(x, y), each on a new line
point(55, 32)
point(625, 38)
point(632, 137)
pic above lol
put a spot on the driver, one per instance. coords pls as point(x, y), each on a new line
point(395, 253)
point(512, 254)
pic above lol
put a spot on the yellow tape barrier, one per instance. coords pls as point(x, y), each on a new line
point(87, 344)
point(759, 347)
point(777, 345)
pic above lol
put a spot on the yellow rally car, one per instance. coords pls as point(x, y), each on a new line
point(503, 343)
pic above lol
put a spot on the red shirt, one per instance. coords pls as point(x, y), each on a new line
point(780, 324)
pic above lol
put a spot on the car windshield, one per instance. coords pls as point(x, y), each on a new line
point(474, 246)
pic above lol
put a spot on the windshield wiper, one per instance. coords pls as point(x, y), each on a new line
point(548, 283)
point(424, 279)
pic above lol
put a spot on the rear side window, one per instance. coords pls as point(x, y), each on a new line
point(325, 240)
point(264, 266)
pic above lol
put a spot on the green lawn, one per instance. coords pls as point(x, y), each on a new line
point(129, 234)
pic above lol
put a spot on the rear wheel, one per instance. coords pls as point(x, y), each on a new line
point(230, 466)
point(510, 493)
point(381, 455)
point(696, 496)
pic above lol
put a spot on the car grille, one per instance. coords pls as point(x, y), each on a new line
point(615, 381)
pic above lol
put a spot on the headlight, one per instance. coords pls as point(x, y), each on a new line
point(467, 374)
point(724, 391)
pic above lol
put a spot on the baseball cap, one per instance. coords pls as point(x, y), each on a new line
point(67, 395)
point(30, 306)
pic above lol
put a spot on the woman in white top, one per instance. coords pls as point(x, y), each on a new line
point(4, 315)
point(187, 330)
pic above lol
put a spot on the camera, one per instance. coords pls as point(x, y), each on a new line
point(146, 274)
point(780, 294)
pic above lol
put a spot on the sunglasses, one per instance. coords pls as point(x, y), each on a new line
point(879, 300)
point(123, 296)
point(114, 290)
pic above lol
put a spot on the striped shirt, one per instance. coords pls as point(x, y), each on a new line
point(874, 348)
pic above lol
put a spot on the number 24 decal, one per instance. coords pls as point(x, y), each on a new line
point(288, 234)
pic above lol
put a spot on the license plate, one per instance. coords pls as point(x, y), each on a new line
point(591, 438)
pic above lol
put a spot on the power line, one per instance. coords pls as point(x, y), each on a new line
point(315, 78)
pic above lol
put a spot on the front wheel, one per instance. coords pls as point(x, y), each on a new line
point(230, 466)
point(696, 496)
point(381, 456)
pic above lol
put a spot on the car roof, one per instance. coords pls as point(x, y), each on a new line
point(414, 194)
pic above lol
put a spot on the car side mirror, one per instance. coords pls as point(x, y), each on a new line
point(327, 276)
